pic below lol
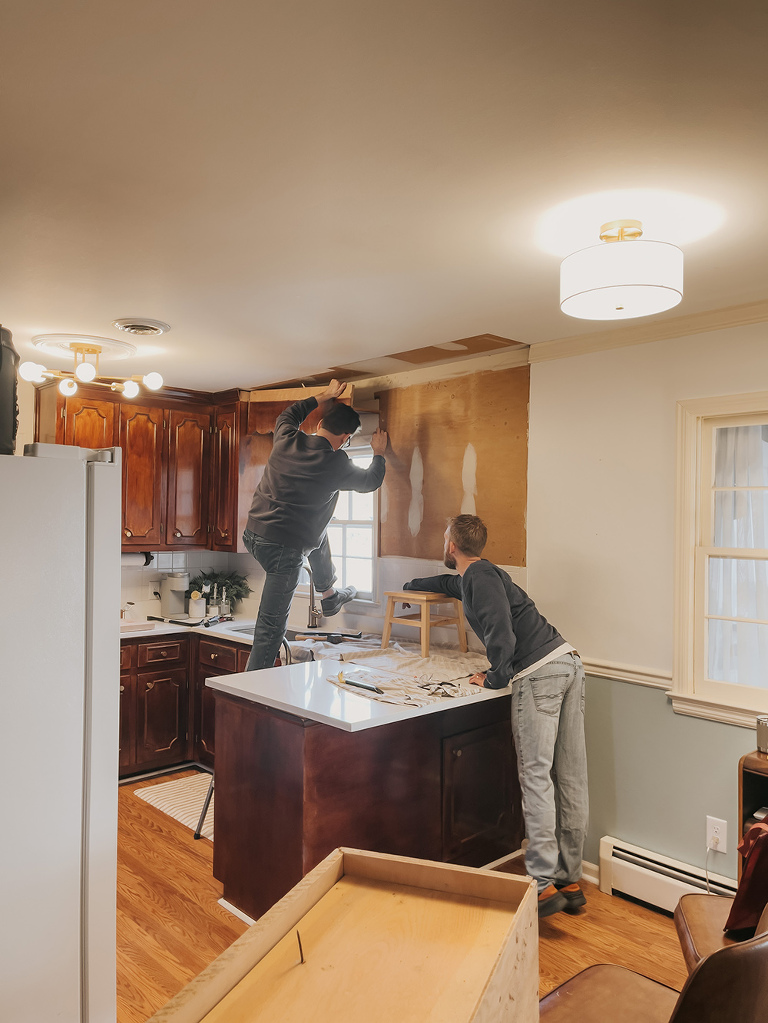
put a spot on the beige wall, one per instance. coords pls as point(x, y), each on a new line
point(601, 484)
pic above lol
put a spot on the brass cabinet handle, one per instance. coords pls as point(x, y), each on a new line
point(214, 656)
point(128, 532)
point(456, 752)
point(177, 532)
point(163, 653)
point(122, 689)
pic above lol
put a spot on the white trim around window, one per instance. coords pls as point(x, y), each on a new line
point(693, 693)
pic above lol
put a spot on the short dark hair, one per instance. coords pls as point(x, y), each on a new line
point(340, 419)
point(469, 534)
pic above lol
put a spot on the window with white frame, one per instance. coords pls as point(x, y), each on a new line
point(352, 535)
point(722, 634)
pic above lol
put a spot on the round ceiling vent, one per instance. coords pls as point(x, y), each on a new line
point(141, 325)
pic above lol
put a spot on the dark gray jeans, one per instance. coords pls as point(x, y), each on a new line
point(282, 565)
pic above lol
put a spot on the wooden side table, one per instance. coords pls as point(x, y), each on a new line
point(423, 618)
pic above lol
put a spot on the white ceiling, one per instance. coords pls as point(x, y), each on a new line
point(295, 185)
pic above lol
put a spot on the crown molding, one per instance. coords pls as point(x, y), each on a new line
point(659, 330)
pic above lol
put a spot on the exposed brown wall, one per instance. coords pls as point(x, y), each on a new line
point(490, 412)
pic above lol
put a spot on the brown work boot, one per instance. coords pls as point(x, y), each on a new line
point(551, 901)
point(575, 897)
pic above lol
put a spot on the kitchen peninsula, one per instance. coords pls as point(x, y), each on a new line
point(303, 767)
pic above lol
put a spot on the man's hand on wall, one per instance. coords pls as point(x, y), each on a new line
point(379, 442)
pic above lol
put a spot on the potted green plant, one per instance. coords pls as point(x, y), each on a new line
point(235, 584)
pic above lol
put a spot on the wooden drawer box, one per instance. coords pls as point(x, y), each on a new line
point(221, 655)
point(383, 938)
point(169, 651)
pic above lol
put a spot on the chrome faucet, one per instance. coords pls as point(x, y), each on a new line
point(314, 615)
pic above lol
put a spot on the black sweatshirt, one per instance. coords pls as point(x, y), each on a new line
point(502, 616)
point(297, 494)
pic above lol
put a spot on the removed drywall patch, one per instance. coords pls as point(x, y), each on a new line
point(416, 507)
point(469, 481)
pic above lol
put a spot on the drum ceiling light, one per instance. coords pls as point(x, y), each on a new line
point(86, 352)
point(623, 277)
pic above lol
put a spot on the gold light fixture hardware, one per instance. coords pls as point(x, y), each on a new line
point(621, 231)
point(86, 352)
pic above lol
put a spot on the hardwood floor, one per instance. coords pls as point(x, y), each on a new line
point(169, 923)
point(609, 929)
point(170, 926)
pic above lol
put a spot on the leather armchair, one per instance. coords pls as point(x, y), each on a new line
point(700, 923)
point(730, 984)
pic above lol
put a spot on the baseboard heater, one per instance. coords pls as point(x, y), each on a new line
point(652, 878)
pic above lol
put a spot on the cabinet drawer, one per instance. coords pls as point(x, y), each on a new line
point(126, 655)
point(170, 651)
point(222, 655)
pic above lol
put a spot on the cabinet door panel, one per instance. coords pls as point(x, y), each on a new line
point(161, 711)
point(127, 756)
point(205, 718)
point(225, 468)
point(89, 423)
point(141, 438)
point(189, 440)
point(477, 791)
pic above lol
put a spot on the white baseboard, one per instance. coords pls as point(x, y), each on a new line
point(236, 912)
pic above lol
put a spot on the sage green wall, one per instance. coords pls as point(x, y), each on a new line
point(655, 775)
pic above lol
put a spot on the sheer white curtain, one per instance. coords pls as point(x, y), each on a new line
point(738, 586)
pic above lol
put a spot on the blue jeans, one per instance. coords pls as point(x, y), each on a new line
point(548, 729)
point(282, 565)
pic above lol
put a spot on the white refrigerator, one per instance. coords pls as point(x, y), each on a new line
point(59, 706)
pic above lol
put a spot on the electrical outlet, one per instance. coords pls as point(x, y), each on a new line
point(717, 834)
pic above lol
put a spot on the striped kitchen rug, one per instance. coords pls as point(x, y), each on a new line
point(183, 800)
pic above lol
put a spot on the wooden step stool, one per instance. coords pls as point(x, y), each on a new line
point(423, 619)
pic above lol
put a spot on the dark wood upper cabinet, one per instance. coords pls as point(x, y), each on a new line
point(90, 423)
point(189, 435)
point(191, 460)
point(224, 496)
point(144, 475)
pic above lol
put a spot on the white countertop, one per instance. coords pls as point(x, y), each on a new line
point(303, 690)
point(224, 630)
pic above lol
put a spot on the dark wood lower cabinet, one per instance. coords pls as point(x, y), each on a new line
point(441, 786)
point(161, 712)
point(154, 703)
point(205, 717)
point(214, 657)
point(480, 792)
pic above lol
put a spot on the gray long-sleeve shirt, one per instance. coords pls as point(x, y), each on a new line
point(297, 494)
point(502, 616)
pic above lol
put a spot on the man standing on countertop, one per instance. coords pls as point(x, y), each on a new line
point(294, 503)
point(547, 680)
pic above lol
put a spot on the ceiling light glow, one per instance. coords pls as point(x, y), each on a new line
point(666, 216)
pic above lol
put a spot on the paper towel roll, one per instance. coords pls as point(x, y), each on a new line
point(140, 559)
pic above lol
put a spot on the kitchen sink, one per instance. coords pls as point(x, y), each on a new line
point(244, 629)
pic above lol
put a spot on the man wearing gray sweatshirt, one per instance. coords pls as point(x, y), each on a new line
point(547, 679)
point(294, 503)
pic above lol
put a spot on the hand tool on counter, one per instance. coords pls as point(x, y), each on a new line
point(360, 685)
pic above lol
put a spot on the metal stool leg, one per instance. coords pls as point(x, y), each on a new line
point(206, 804)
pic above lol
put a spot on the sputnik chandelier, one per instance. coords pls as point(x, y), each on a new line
point(86, 352)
